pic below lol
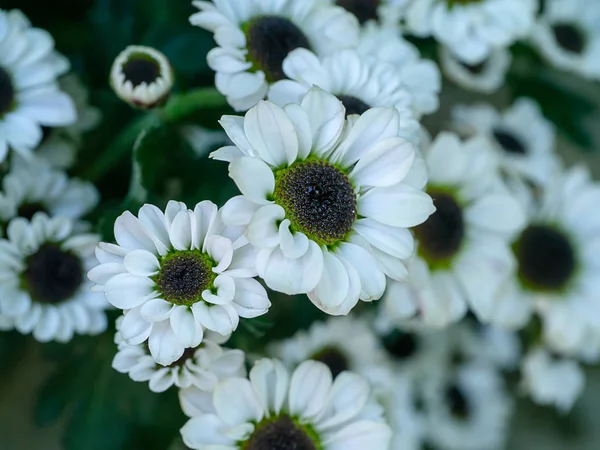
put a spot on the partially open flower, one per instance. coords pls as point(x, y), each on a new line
point(142, 76)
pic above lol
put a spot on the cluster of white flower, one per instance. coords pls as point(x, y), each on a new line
point(467, 239)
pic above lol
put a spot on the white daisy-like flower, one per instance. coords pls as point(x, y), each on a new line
point(463, 254)
point(255, 36)
point(557, 267)
point(387, 12)
point(142, 76)
point(524, 140)
point(200, 368)
point(420, 76)
point(59, 145)
point(43, 285)
point(34, 187)
point(567, 33)
point(486, 77)
point(327, 201)
point(552, 380)
point(341, 343)
point(307, 410)
point(471, 29)
point(467, 409)
point(359, 83)
point(176, 273)
point(29, 93)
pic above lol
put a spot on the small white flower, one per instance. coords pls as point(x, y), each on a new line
point(176, 273)
point(467, 409)
point(29, 93)
point(567, 33)
point(142, 76)
point(420, 76)
point(33, 187)
point(359, 83)
point(306, 410)
point(471, 29)
point(42, 279)
point(523, 139)
point(255, 36)
point(463, 254)
point(551, 380)
point(486, 77)
point(198, 368)
point(327, 201)
point(341, 343)
point(557, 267)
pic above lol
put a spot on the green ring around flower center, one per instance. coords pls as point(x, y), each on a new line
point(184, 275)
point(282, 432)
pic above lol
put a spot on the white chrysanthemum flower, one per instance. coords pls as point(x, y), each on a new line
point(307, 410)
point(558, 266)
point(34, 187)
point(463, 254)
point(551, 380)
point(177, 273)
point(359, 83)
point(142, 76)
point(522, 137)
point(467, 409)
point(471, 29)
point(327, 201)
point(200, 368)
point(341, 343)
point(43, 285)
point(567, 33)
point(29, 93)
point(388, 12)
point(420, 76)
point(59, 145)
point(486, 77)
point(255, 36)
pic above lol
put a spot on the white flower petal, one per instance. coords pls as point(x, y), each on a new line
point(253, 178)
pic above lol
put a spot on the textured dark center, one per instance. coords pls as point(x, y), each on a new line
point(318, 199)
point(140, 70)
point(280, 434)
point(188, 353)
point(509, 142)
point(334, 359)
point(7, 92)
point(270, 39)
point(353, 105)
point(475, 69)
point(364, 10)
point(183, 277)
point(569, 37)
point(441, 235)
point(52, 275)
point(401, 345)
point(27, 210)
point(546, 258)
point(457, 402)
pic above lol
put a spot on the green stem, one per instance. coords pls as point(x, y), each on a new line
point(183, 105)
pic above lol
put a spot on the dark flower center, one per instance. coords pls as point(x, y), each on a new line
point(509, 142)
point(457, 402)
point(27, 210)
point(188, 353)
point(183, 276)
point(7, 92)
point(569, 37)
point(279, 434)
point(364, 10)
point(441, 235)
point(318, 199)
point(546, 258)
point(400, 345)
point(270, 39)
point(141, 69)
point(475, 69)
point(52, 275)
point(353, 105)
point(332, 358)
